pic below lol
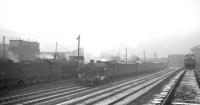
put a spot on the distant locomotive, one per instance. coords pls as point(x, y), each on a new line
point(95, 73)
point(190, 61)
point(31, 72)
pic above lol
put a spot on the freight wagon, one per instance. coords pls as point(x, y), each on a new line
point(31, 72)
point(95, 73)
point(176, 60)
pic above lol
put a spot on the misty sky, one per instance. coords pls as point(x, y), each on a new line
point(106, 26)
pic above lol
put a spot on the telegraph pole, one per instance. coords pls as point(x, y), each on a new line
point(155, 56)
point(78, 38)
point(56, 46)
point(144, 55)
point(56, 51)
point(4, 47)
point(144, 59)
point(126, 55)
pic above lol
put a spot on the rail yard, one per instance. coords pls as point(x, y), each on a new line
point(106, 94)
point(114, 82)
point(99, 52)
point(179, 87)
point(125, 91)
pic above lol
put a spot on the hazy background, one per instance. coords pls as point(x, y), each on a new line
point(106, 27)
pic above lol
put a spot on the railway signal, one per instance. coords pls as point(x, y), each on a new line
point(78, 38)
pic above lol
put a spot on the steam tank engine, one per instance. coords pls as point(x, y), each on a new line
point(92, 73)
point(190, 61)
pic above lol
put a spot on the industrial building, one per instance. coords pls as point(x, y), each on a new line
point(176, 60)
point(196, 51)
point(69, 56)
point(19, 50)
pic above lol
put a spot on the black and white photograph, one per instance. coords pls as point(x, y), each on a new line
point(99, 52)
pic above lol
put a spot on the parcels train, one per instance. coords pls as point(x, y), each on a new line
point(95, 73)
point(31, 72)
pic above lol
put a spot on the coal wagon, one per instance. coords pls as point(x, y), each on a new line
point(32, 72)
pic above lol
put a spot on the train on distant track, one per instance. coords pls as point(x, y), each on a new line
point(190, 61)
point(95, 73)
point(31, 72)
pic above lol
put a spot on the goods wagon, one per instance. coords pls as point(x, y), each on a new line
point(95, 73)
point(10, 74)
point(190, 62)
point(176, 60)
point(38, 71)
point(69, 70)
point(31, 72)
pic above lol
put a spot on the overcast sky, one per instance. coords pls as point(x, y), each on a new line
point(161, 26)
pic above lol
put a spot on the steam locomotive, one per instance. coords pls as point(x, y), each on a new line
point(96, 73)
point(31, 72)
point(190, 61)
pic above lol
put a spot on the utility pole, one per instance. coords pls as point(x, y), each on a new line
point(144, 59)
point(144, 55)
point(155, 56)
point(78, 38)
point(56, 51)
point(4, 47)
point(126, 55)
point(56, 46)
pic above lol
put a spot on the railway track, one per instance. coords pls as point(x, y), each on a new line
point(97, 90)
point(181, 90)
point(121, 94)
point(43, 94)
point(197, 75)
point(166, 95)
point(188, 92)
point(32, 93)
point(68, 92)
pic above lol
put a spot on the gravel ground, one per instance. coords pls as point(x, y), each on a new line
point(198, 79)
point(147, 97)
point(188, 91)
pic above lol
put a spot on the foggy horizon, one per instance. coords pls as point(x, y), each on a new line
point(106, 27)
